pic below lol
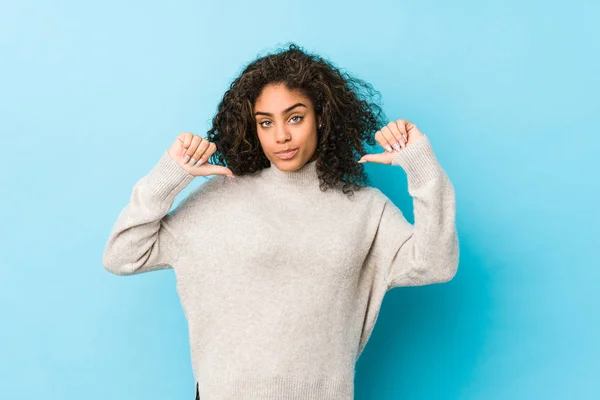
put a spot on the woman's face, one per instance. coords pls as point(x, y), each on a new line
point(285, 119)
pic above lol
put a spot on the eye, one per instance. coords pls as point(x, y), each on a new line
point(299, 118)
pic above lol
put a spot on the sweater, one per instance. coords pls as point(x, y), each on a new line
point(280, 282)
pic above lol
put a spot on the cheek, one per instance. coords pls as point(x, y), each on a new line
point(312, 138)
point(262, 140)
point(308, 133)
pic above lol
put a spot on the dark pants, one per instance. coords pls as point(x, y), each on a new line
point(197, 393)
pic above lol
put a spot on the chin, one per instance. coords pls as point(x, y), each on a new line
point(287, 165)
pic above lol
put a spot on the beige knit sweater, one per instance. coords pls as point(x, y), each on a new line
point(281, 283)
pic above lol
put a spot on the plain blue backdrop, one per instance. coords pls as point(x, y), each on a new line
point(93, 92)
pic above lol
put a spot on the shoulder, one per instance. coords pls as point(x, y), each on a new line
point(212, 185)
point(370, 193)
point(210, 188)
point(367, 197)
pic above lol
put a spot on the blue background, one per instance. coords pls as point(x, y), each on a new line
point(94, 92)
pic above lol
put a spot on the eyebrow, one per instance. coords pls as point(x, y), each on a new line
point(283, 112)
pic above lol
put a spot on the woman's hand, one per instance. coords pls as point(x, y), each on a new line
point(393, 137)
point(191, 152)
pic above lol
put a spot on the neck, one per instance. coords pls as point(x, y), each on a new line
point(305, 175)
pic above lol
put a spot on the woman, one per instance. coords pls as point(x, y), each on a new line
point(283, 256)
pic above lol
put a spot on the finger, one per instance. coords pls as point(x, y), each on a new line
point(207, 153)
point(401, 132)
point(383, 142)
point(185, 138)
point(381, 139)
point(202, 147)
point(413, 132)
point(210, 151)
point(398, 138)
point(192, 149)
point(402, 125)
point(389, 138)
point(212, 169)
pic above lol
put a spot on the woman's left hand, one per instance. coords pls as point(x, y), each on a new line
point(393, 137)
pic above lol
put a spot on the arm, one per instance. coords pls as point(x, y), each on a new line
point(426, 252)
point(145, 237)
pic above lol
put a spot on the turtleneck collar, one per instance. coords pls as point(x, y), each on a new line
point(305, 175)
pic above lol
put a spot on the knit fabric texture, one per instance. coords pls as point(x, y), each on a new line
point(281, 283)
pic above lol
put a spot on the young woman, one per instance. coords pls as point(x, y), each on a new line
point(283, 256)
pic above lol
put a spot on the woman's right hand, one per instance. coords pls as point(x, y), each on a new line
point(198, 151)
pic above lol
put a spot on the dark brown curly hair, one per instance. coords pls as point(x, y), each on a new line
point(349, 114)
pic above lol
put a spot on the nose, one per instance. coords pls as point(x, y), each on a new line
point(282, 134)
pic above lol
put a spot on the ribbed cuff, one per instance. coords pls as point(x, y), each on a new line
point(168, 178)
point(278, 387)
point(419, 162)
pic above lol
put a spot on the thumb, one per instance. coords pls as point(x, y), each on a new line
point(217, 170)
point(377, 158)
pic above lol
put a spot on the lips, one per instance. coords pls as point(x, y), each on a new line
point(287, 154)
point(285, 151)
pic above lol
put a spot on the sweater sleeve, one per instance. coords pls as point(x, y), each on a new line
point(426, 252)
point(146, 236)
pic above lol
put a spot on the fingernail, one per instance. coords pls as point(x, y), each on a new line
point(192, 161)
point(397, 146)
point(388, 148)
point(187, 158)
point(200, 161)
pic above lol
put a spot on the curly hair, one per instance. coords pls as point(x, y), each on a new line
point(349, 114)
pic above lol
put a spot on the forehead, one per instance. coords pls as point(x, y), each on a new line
point(276, 97)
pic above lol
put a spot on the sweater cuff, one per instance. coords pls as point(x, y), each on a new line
point(168, 178)
point(419, 162)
